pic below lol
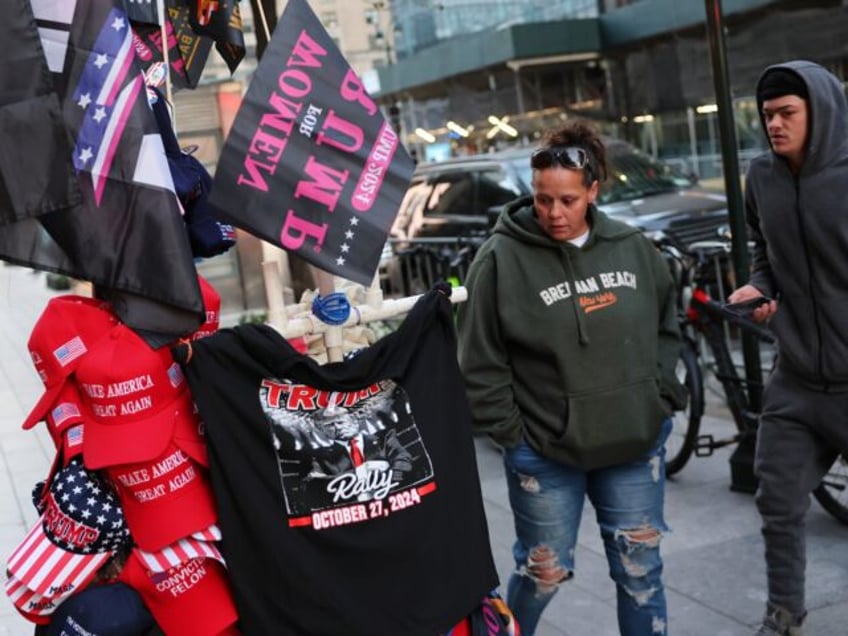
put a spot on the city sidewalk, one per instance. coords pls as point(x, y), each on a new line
point(714, 571)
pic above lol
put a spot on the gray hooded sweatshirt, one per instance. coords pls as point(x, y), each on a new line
point(799, 225)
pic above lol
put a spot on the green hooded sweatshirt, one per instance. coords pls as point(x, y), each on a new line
point(571, 348)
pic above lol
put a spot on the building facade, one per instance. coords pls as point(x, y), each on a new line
point(475, 75)
point(640, 68)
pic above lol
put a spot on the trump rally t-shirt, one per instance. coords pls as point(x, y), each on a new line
point(347, 493)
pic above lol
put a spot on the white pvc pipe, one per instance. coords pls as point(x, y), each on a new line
point(277, 316)
point(361, 314)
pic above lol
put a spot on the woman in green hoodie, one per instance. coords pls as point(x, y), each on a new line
point(568, 344)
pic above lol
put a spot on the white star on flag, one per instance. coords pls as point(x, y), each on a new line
point(99, 114)
point(340, 261)
point(348, 235)
point(345, 247)
point(118, 24)
point(101, 60)
point(84, 101)
point(354, 221)
point(85, 155)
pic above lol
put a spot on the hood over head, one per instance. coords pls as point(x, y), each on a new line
point(827, 106)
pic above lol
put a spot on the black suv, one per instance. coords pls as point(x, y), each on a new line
point(451, 206)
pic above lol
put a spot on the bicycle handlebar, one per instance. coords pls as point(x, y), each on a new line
point(716, 310)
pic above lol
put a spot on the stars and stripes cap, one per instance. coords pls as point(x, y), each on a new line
point(34, 607)
point(202, 544)
point(67, 329)
point(81, 528)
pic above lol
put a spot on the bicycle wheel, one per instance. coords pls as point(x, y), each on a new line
point(832, 493)
point(687, 423)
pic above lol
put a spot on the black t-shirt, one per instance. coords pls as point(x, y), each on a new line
point(382, 535)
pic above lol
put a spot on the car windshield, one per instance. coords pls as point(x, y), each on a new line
point(632, 175)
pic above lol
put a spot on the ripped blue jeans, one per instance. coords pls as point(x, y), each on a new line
point(547, 502)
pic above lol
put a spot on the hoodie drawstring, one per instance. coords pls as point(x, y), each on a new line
point(583, 337)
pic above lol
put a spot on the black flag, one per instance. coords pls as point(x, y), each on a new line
point(264, 23)
point(126, 235)
point(311, 164)
point(221, 21)
point(142, 11)
point(187, 51)
point(31, 183)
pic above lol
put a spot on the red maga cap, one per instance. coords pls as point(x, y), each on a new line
point(212, 304)
point(164, 500)
point(68, 328)
point(193, 597)
point(134, 398)
point(65, 422)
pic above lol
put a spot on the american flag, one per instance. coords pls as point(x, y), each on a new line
point(73, 436)
point(175, 375)
point(63, 412)
point(107, 91)
point(70, 351)
point(123, 231)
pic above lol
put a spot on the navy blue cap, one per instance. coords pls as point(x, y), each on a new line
point(192, 183)
point(113, 609)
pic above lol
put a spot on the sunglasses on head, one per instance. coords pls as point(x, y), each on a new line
point(565, 156)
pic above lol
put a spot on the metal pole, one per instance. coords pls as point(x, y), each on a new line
point(693, 142)
point(163, 31)
point(742, 458)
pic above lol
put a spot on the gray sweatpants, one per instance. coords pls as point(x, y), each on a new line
point(800, 435)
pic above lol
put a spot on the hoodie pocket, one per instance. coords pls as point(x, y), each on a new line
point(610, 427)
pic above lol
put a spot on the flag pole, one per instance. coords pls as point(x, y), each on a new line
point(265, 28)
point(160, 11)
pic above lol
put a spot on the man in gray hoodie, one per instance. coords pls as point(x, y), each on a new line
point(796, 199)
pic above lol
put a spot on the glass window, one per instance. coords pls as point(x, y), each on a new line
point(495, 188)
point(451, 194)
point(633, 174)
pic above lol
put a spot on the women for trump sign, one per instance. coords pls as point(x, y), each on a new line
point(311, 164)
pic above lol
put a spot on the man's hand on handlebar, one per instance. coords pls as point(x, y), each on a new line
point(748, 292)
